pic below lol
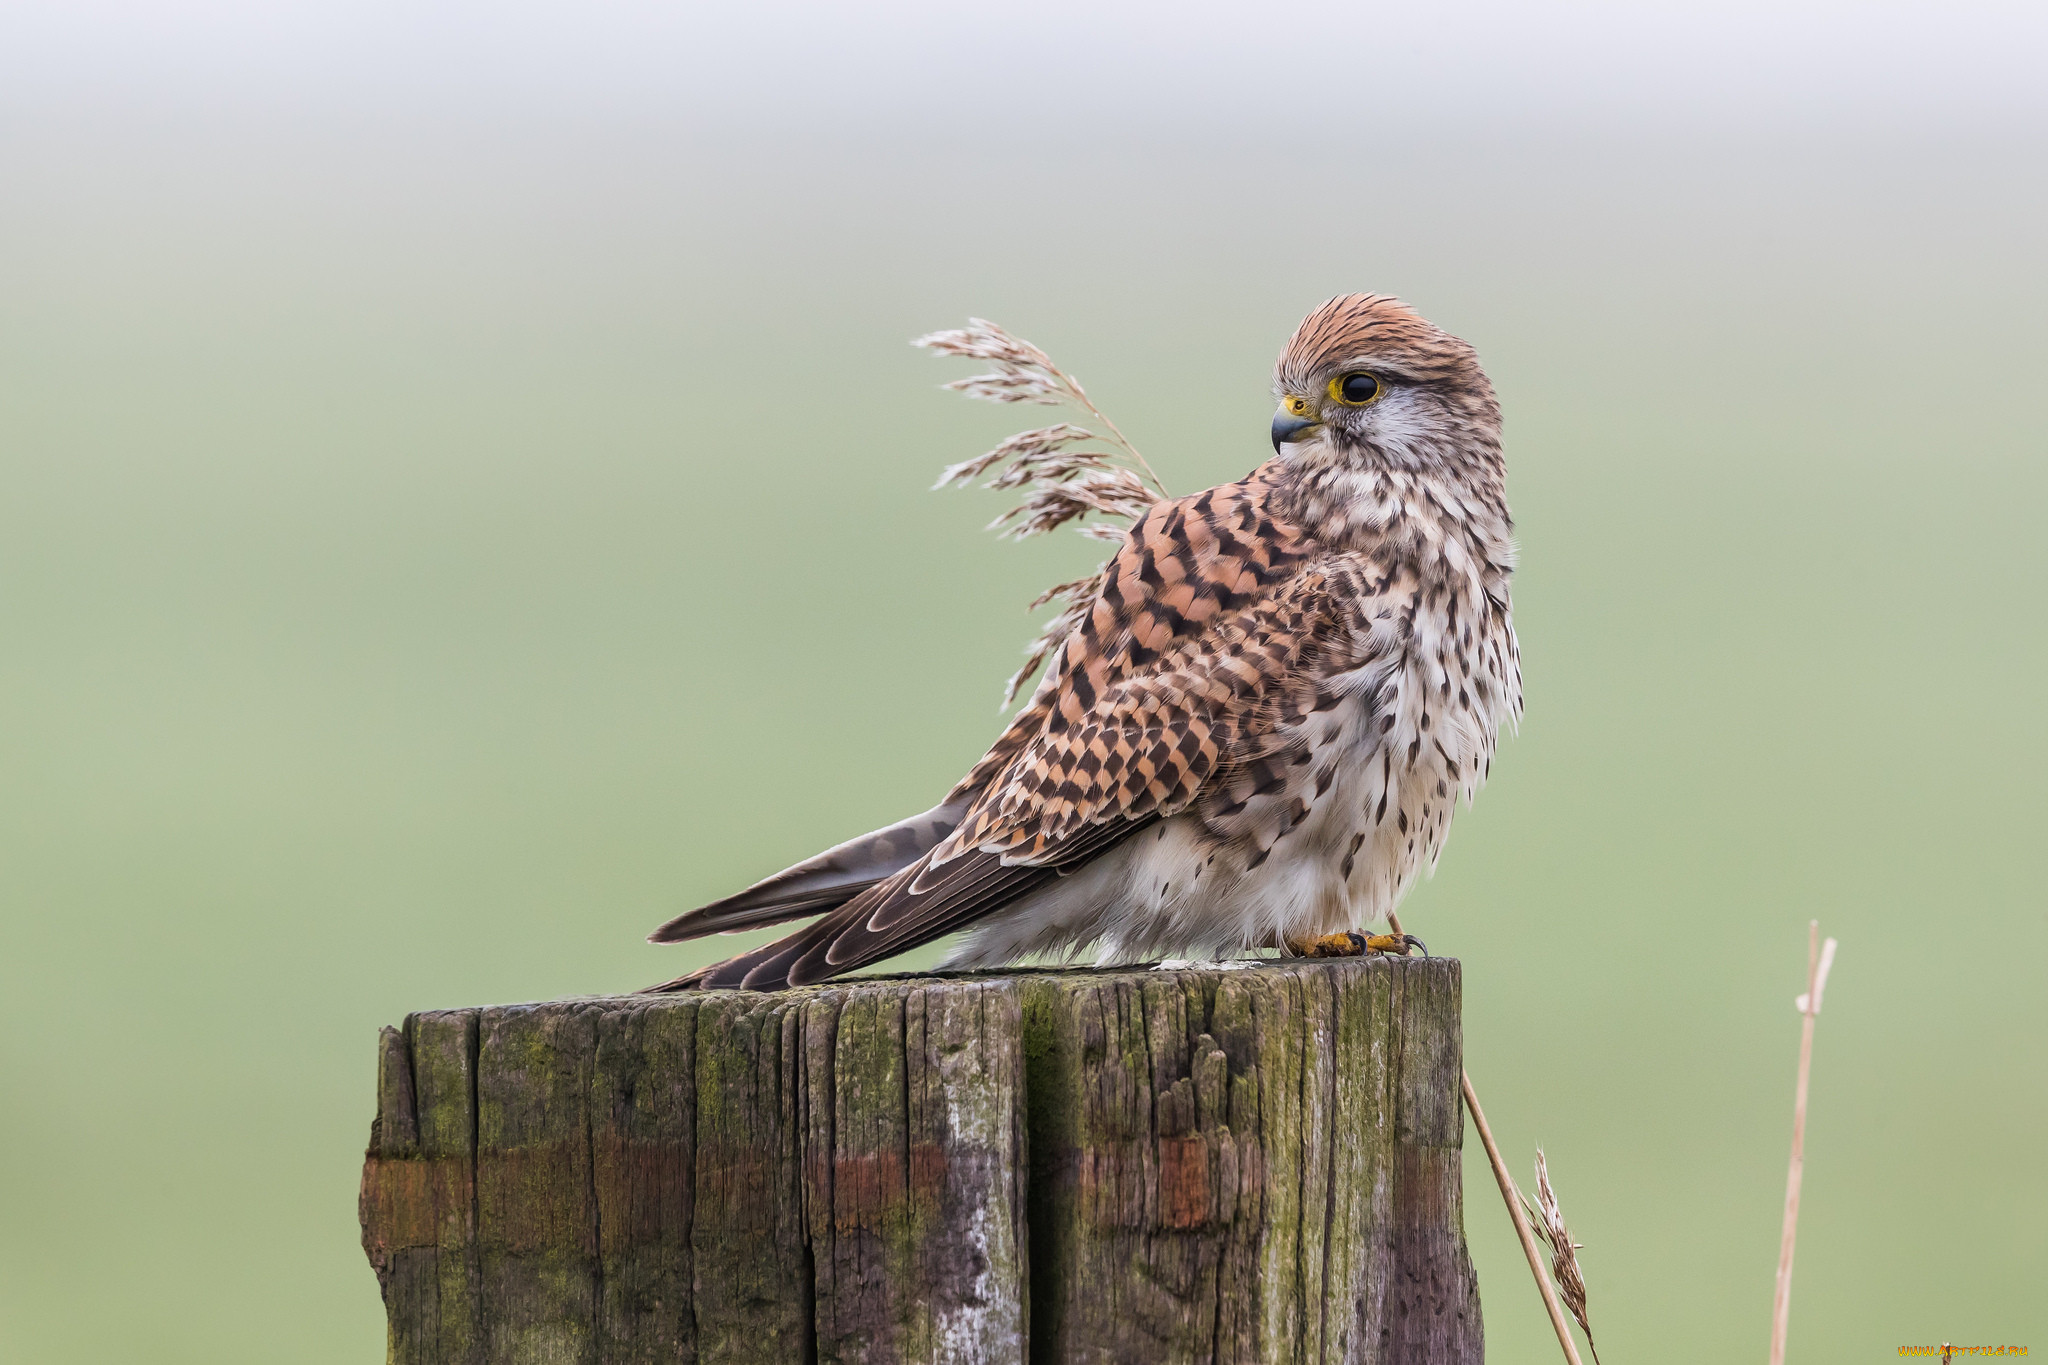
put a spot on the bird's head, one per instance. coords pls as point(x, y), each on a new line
point(1366, 382)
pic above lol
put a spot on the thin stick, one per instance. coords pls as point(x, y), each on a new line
point(1512, 1196)
point(1817, 963)
point(1116, 435)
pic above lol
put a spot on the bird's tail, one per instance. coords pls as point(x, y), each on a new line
point(824, 882)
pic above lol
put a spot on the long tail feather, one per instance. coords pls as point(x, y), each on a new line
point(906, 910)
point(824, 882)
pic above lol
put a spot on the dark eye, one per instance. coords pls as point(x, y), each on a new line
point(1355, 389)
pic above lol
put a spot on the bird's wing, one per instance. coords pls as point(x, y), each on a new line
point(1210, 633)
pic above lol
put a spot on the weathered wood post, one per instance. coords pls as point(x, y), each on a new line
point(1258, 1164)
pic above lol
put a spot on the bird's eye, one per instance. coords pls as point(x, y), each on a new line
point(1356, 389)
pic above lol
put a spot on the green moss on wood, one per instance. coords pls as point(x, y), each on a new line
point(1251, 1165)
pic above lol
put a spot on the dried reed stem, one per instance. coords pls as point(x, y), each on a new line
point(1513, 1198)
point(1818, 960)
point(1115, 434)
point(1063, 478)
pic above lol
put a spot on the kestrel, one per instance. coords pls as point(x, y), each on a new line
point(1258, 731)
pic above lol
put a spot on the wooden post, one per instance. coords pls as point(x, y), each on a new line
point(1259, 1164)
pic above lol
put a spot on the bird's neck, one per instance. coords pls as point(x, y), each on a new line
point(1416, 515)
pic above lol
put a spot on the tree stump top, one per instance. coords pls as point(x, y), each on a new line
point(1211, 1163)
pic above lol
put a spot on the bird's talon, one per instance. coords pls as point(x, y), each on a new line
point(1327, 945)
point(1351, 944)
point(1396, 944)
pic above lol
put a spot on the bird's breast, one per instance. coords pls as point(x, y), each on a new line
point(1375, 778)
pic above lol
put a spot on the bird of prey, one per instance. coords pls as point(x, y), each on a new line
point(1256, 733)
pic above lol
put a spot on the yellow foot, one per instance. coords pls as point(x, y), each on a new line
point(1350, 944)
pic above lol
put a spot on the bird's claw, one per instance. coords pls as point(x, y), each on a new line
point(1351, 944)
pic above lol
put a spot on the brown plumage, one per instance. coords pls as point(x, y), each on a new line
point(1257, 729)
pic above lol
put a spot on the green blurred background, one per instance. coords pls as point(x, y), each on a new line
point(440, 541)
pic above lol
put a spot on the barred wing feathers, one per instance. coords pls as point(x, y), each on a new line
point(1181, 688)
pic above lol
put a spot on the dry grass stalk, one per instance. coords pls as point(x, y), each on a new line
point(1513, 1199)
point(1069, 473)
point(1818, 960)
point(1564, 1261)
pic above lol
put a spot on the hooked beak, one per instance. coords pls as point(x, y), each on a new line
point(1287, 427)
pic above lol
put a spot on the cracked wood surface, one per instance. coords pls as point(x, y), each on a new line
point(1193, 1165)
